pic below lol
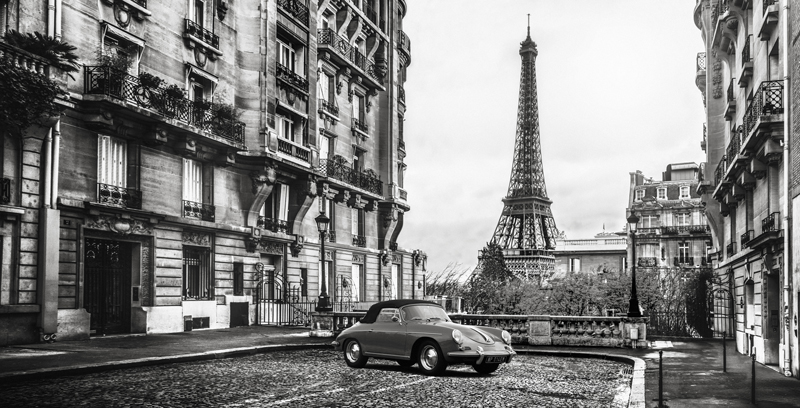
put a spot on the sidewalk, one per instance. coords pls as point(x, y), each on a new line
point(693, 375)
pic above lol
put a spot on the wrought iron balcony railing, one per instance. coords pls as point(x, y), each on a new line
point(331, 236)
point(296, 9)
point(285, 74)
point(701, 61)
point(142, 3)
point(683, 260)
point(731, 97)
point(328, 38)
point(272, 224)
point(293, 149)
point(767, 100)
point(649, 231)
point(197, 30)
point(647, 262)
point(404, 42)
point(746, 50)
point(329, 107)
point(771, 222)
point(768, 3)
point(745, 238)
point(360, 125)
point(692, 229)
point(401, 144)
point(340, 169)
point(401, 94)
point(205, 212)
point(719, 173)
point(734, 145)
point(393, 246)
point(119, 196)
point(5, 191)
point(108, 81)
point(730, 249)
point(359, 241)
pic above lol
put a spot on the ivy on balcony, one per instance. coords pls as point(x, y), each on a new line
point(340, 169)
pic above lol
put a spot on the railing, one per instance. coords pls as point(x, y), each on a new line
point(402, 193)
point(343, 320)
point(285, 74)
point(272, 224)
point(142, 3)
point(746, 50)
point(401, 94)
point(341, 170)
point(401, 144)
point(404, 42)
point(771, 222)
point(293, 149)
point(719, 173)
point(768, 100)
point(393, 246)
point(103, 80)
point(701, 61)
point(675, 229)
point(768, 3)
point(192, 28)
point(370, 12)
point(516, 325)
point(683, 260)
point(329, 107)
point(327, 37)
point(118, 196)
point(5, 191)
point(296, 8)
point(648, 231)
point(331, 236)
point(360, 125)
point(647, 261)
point(23, 59)
point(359, 241)
point(205, 212)
point(730, 95)
point(282, 313)
point(734, 145)
point(745, 238)
point(730, 249)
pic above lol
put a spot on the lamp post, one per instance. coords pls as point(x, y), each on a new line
point(323, 304)
point(633, 308)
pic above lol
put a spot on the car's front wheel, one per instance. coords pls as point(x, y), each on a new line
point(430, 358)
point(353, 355)
point(485, 369)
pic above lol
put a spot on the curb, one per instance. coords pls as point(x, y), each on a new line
point(149, 361)
point(637, 398)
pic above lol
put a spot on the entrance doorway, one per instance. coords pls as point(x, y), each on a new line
point(771, 320)
point(107, 291)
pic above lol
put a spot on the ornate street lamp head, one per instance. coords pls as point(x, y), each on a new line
point(633, 221)
point(322, 222)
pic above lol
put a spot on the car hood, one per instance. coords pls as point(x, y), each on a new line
point(473, 333)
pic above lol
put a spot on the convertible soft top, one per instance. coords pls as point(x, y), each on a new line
point(375, 309)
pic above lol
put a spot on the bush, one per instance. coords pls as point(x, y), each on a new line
point(28, 97)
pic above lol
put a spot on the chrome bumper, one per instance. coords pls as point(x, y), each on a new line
point(481, 354)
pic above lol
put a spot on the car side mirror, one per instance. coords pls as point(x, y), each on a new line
point(395, 319)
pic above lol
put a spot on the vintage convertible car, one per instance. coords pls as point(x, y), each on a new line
point(415, 331)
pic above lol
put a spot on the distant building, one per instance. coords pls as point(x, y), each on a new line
point(606, 252)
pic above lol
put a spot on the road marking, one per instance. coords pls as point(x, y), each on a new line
point(304, 396)
point(402, 385)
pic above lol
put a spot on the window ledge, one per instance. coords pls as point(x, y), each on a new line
point(204, 44)
point(137, 7)
point(8, 309)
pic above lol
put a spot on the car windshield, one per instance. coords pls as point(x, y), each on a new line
point(424, 312)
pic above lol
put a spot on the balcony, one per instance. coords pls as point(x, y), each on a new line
point(296, 9)
point(345, 54)
point(734, 147)
point(126, 90)
point(764, 113)
point(401, 94)
point(730, 249)
point(404, 46)
point(285, 74)
point(340, 169)
point(686, 229)
point(648, 231)
point(204, 212)
point(359, 125)
point(272, 224)
point(331, 236)
point(197, 36)
point(5, 191)
point(393, 246)
point(770, 21)
point(730, 106)
point(700, 73)
point(747, 62)
point(705, 137)
point(647, 262)
point(683, 261)
point(746, 238)
point(329, 108)
point(294, 150)
point(359, 241)
point(118, 196)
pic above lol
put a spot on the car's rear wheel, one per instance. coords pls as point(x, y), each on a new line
point(354, 355)
point(430, 358)
point(405, 363)
point(485, 368)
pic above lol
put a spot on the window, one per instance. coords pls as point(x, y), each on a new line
point(357, 227)
point(639, 195)
point(387, 314)
point(358, 160)
point(285, 128)
point(238, 279)
point(357, 276)
point(684, 192)
point(192, 181)
point(683, 252)
point(750, 304)
point(357, 107)
point(274, 213)
point(574, 264)
point(198, 12)
point(112, 155)
point(325, 85)
point(198, 279)
point(324, 147)
point(683, 219)
point(662, 194)
point(304, 282)
point(649, 221)
point(401, 168)
point(291, 57)
point(395, 275)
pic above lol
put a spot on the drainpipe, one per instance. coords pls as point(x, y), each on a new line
point(55, 155)
point(51, 18)
point(47, 149)
point(787, 219)
point(58, 20)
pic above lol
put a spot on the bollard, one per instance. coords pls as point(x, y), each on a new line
point(753, 381)
point(660, 379)
point(724, 354)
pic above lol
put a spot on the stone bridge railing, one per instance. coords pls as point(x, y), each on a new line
point(594, 331)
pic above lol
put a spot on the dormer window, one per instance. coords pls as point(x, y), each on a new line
point(684, 192)
point(639, 195)
point(662, 194)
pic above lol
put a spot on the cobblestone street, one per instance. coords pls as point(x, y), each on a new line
point(320, 378)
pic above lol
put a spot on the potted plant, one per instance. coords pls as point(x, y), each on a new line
point(174, 91)
point(225, 111)
point(149, 80)
point(58, 53)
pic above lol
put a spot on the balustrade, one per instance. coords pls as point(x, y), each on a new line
point(272, 224)
point(198, 31)
point(359, 241)
point(360, 125)
point(767, 100)
point(701, 61)
point(103, 80)
point(119, 196)
point(771, 222)
point(285, 74)
point(328, 38)
point(746, 50)
point(730, 249)
point(719, 173)
point(329, 107)
point(23, 59)
point(292, 149)
point(401, 94)
point(296, 9)
point(205, 212)
point(341, 169)
point(745, 238)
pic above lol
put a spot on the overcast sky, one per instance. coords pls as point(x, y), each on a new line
point(616, 94)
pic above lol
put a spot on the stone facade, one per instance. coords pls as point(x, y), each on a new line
point(185, 199)
point(745, 181)
point(605, 252)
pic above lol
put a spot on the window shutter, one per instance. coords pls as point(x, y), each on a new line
point(284, 203)
point(354, 221)
point(192, 181)
point(356, 278)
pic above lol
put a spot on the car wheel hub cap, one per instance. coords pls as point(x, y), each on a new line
point(353, 352)
point(429, 357)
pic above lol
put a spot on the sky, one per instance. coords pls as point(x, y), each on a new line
point(616, 94)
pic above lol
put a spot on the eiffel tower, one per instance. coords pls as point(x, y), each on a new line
point(526, 231)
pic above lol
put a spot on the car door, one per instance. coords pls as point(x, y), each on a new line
point(386, 336)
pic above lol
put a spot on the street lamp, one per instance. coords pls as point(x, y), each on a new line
point(323, 304)
point(633, 308)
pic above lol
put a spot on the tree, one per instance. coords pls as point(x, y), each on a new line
point(28, 97)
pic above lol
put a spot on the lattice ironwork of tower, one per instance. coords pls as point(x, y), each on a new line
point(526, 230)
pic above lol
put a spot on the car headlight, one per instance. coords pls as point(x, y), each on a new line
point(506, 337)
point(457, 336)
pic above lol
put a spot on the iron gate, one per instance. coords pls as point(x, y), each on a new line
point(107, 289)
